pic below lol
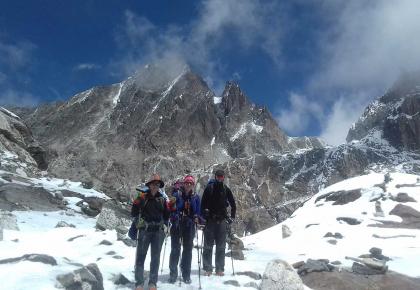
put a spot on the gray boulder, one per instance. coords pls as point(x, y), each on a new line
point(341, 197)
point(402, 197)
point(63, 224)
point(286, 232)
point(8, 221)
point(232, 283)
point(314, 266)
point(279, 275)
point(88, 277)
point(349, 220)
point(236, 246)
point(41, 258)
point(21, 197)
point(363, 269)
point(236, 254)
point(253, 275)
point(113, 216)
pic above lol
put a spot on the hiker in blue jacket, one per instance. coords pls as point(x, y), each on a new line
point(185, 213)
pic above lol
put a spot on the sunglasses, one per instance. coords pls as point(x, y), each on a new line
point(154, 183)
point(188, 183)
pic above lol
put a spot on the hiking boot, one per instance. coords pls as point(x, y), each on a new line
point(207, 273)
point(220, 273)
point(152, 287)
point(140, 287)
point(172, 280)
point(187, 280)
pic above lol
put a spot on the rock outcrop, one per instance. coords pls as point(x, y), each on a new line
point(279, 275)
point(17, 143)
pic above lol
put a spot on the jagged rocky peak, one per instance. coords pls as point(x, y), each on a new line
point(394, 117)
point(157, 76)
point(233, 99)
point(248, 128)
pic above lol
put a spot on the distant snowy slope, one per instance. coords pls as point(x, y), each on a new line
point(356, 198)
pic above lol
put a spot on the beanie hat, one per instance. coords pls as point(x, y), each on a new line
point(219, 172)
point(189, 178)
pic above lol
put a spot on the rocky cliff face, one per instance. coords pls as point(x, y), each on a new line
point(17, 145)
point(117, 135)
point(394, 116)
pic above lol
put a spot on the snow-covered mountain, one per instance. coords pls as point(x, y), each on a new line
point(171, 122)
point(159, 121)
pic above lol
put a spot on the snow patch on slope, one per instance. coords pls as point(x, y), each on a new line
point(7, 112)
point(244, 128)
point(168, 90)
point(217, 100)
point(116, 98)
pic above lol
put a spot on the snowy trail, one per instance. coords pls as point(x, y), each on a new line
point(38, 235)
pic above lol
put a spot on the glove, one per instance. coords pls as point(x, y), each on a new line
point(172, 203)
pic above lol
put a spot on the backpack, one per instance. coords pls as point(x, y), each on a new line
point(224, 195)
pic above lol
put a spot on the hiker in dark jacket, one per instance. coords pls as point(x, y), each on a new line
point(216, 198)
point(185, 206)
point(152, 211)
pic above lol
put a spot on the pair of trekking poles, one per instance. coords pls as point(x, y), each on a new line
point(200, 251)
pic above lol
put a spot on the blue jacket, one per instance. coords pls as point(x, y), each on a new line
point(182, 202)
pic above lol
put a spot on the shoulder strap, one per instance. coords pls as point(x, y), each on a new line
point(146, 200)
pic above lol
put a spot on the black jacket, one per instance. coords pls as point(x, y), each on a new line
point(151, 209)
point(216, 197)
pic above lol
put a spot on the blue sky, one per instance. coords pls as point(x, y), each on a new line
point(315, 64)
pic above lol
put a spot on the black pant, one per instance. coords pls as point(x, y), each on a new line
point(155, 240)
point(184, 232)
point(214, 232)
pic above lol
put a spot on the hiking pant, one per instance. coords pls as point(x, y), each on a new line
point(155, 240)
point(214, 232)
point(182, 233)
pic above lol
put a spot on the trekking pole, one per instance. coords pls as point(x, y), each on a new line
point(198, 259)
point(164, 247)
point(231, 248)
point(179, 263)
point(137, 249)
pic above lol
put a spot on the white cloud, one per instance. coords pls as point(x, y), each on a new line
point(86, 66)
point(236, 76)
point(298, 116)
point(15, 56)
point(242, 24)
point(16, 59)
point(18, 98)
point(368, 45)
point(344, 112)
